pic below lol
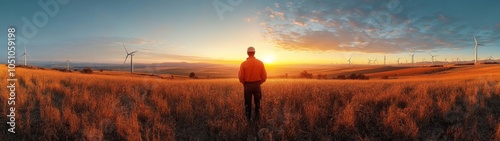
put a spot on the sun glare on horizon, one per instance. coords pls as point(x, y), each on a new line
point(269, 59)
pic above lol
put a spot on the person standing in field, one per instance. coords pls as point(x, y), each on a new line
point(252, 74)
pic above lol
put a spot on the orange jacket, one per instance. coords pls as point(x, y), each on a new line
point(252, 70)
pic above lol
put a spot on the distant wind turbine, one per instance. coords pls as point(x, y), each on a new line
point(398, 60)
point(67, 64)
point(349, 61)
point(432, 57)
point(25, 55)
point(475, 49)
point(369, 61)
point(131, 54)
point(384, 60)
point(375, 61)
point(412, 55)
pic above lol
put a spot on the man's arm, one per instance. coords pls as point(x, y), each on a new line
point(241, 74)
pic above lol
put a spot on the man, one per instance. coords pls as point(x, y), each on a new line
point(252, 74)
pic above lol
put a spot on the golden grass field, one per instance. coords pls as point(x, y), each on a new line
point(452, 104)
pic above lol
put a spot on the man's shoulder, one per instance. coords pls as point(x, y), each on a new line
point(244, 62)
point(252, 61)
point(256, 60)
point(260, 62)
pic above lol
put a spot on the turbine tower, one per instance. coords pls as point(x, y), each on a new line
point(475, 49)
point(432, 57)
point(131, 54)
point(25, 55)
point(398, 60)
point(412, 55)
point(67, 64)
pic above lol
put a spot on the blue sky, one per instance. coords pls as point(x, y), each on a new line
point(316, 32)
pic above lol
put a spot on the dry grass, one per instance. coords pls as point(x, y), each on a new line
point(54, 105)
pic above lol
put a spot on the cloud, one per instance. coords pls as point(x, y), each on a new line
point(443, 18)
point(367, 26)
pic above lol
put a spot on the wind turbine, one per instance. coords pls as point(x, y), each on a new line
point(131, 54)
point(369, 61)
point(25, 55)
point(349, 61)
point(398, 60)
point(475, 49)
point(384, 60)
point(412, 55)
point(375, 61)
point(67, 64)
point(432, 57)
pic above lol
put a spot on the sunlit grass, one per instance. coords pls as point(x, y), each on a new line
point(67, 106)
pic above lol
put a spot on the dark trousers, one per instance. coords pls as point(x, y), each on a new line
point(252, 89)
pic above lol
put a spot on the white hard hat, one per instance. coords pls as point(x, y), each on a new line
point(251, 49)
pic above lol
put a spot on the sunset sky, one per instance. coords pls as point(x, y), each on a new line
point(292, 32)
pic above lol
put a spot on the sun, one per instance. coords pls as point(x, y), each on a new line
point(269, 60)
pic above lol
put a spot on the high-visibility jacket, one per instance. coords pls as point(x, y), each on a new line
point(252, 70)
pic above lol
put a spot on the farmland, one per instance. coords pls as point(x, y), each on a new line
point(450, 104)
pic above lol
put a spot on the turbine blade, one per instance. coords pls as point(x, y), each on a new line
point(125, 48)
point(126, 59)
